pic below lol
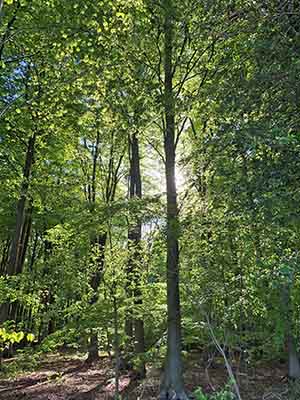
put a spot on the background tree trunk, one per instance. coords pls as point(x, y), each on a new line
point(16, 252)
point(134, 244)
point(293, 355)
point(20, 236)
point(173, 382)
point(100, 242)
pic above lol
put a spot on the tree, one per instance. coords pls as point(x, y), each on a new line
point(173, 384)
point(103, 171)
point(136, 328)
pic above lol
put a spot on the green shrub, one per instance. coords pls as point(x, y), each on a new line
point(224, 394)
point(199, 395)
point(62, 339)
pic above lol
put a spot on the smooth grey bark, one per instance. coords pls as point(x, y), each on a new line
point(172, 387)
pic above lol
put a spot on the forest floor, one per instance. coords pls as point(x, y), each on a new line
point(66, 377)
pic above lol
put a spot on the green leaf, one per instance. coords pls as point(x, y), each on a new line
point(30, 337)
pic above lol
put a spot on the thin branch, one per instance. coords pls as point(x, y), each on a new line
point(180, 131)
point(159, 63)
point(184, 43)
point(217, 344)
point(9, 26)
point(193, 127)
point(228, 366)
point(7, 107)
point(191, 64)
point(154, 147)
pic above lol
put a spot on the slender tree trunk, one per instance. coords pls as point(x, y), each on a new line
point(17, 253)
point(100, 242)
point(116, 347)
point(34, 251)
point(134, 244)
point(4, 258)
point(173, 382)
point(25, 238)
point(15, 250)
point(293, 355)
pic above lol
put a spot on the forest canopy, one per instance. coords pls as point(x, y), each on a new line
point(149, 191)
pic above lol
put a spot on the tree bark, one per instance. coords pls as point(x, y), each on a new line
point(26, 231)
point(293, 355)
point(100, 242)
point(16, 252)
point(173, 382)
point(4, 258)
point(116, 347)
point(134, 245)
point(97, 242)
point(18, 246)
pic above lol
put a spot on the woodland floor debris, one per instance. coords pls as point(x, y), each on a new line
point(67, 378)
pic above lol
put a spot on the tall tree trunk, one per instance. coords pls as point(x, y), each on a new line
point(4, 258)
point(116, 348)
point(100, 242)
point(33, 255)
point(17, 251)
point(293, 355)
point(173, 382)
point(134, 244)
point(25, 238)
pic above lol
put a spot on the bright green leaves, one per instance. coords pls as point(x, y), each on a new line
point(30, 337)
point(9, 337)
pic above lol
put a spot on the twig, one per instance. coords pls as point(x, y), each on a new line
point(8, 106)
point(227, 364)
point(273, 395)
point(207, 373)
point(220, 349)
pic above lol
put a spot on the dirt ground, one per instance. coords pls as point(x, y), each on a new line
point(70, 378)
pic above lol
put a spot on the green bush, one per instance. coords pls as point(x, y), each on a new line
point(65, 338)
point(27, 360)
point(224, 394)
